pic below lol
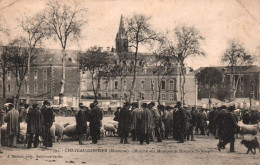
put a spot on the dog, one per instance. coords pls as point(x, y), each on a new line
point(251, 144)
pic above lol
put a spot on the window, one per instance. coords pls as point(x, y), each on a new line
point(171, 84)
point(163, 96)
point(116, 85)
point(142, 84)
point(106, 85)
point(141, 95)
point(171, 97)
point(45, 75)
point(163, 84)
point(152, 97)
point(115, 96)
point(99, 94)
point(9, 88)
point(106, 95)
point(124, 84)
point(45, 88)
point(8, 75)
point(35, 74)
point(35, 88)
point(143, 71)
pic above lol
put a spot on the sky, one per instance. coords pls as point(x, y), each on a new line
point(217, 20)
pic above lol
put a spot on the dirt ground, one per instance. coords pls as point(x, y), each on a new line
point(110, 151)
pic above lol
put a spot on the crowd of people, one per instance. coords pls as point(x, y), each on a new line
point(145, 123)
point(38, 120)
point(181, 122)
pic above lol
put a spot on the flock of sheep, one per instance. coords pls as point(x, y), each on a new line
point(59, 129)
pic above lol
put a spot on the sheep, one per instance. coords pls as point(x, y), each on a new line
point(70, 130)
point(248, 129)
point(59, 128)
point(110, 128)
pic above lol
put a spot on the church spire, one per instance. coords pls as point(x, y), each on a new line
point(121, 37)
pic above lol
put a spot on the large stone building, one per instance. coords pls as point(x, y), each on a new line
point(45, 76)
point(247, 80)
point(146, 85)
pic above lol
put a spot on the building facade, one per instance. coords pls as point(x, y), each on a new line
point(247, 80)
point(44, 80)
point(146, 84)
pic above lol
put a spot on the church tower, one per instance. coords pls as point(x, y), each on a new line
point(121, 38)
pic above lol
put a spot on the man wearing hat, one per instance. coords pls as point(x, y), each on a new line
point(95, 118)
point(145, 124)
point(13, 125)
point(125, 119)
point(49, 118)
point(229, 129)
point(135, 126)
point(34, 125)
point(181, 118)
point(81, 123)
point(155, 122)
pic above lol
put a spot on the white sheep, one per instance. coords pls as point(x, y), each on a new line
point(59, 128)
point(248, 129)
point(110, 128)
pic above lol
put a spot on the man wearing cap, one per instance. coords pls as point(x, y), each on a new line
point(34, 125)
point(155, 122)
point(81, 123)
point(95, 124)
point(145, 123)
point(125, 119)
point(49, 118)
point(12, 120)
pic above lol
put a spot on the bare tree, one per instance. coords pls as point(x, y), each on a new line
point(187, 44)
point(17, 60)
point(237, 58)
point(4, 32)
point(139, 32)
point(123, 67)
point(163, 63)
point(65, 22)
point(99, 65)
point(35, 30)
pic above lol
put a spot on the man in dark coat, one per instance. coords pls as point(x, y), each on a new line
point(34, 125)
point(49, 118)
point(180, 122)
point(246, 117)
point(228, 130)
point(81, 123)
point(116, 118)
point(145, 124)
point(95, 119)
point(211, 116)
point(125, 119)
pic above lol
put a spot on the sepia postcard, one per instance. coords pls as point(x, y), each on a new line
point(128, 82)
